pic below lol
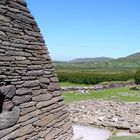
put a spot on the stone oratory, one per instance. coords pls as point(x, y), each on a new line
point(31, 104)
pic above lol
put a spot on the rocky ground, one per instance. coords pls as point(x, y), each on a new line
point(109, 114)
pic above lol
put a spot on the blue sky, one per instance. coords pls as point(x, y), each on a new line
point(88, 28)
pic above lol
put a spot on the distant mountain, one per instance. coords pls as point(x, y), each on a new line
point(130, 58)
point(96, 59)
point(134, 56)
point(129, 62)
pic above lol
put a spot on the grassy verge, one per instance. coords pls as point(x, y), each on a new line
point(67, 84)
point(125, 138)
point(119, 94)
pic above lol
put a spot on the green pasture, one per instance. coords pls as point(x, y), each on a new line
point(93, 66)
point(116, 94)
point(67, 84)
point(125, 138)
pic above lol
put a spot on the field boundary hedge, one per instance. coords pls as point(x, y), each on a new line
point(92, 78)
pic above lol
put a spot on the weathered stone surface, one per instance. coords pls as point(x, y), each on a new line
point(52, 134)
point(42, 134)
point(122, 125)
point(19, 132)
point(22, 2)
point(7, 131)
point(8, 91)
point(21, 99)
point(53, 87)
point(18, 5)
point(29, 116)
point(35, 34)
point(3, 76)
point(44, 80)
point(3, 1)
point(27, 110)
point(47, 103)
point(18, 53)
point(135, 129)
point(23, 91)
point(44, 121)
point(42, 97)
point(56, 93)
point(8, 105)
point(31, 103)
point(49, 108)
point(35, 67)
point(2, 33)
point(32, 83)
point(22, 138)
point(30, 121)
point(28, 38)
point(8, 119)
point(28, 104)
point(21, 41)
point(35, 73)
point(54, 79)
point(3, 18)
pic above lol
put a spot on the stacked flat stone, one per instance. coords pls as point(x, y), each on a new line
point(31, 104)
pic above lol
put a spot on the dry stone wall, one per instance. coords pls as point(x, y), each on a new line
point(31, 105)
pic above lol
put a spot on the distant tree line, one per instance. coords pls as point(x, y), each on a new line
point(95, 78)
point(137, 77)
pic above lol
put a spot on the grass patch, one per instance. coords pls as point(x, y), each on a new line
point(119, 94)
point(67, 84)
point(125, 138)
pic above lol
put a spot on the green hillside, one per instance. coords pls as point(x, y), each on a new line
point(130, 58)
point(93, 64)
point(96, 59)
point(131, 61)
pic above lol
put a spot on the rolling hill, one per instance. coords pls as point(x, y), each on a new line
point(129, 62)
point(133, 57)
point(96, 59)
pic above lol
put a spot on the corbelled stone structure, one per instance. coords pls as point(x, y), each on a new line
point(31, 105)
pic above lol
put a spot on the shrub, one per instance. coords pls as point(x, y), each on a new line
point(92, 78)
point(137, 77)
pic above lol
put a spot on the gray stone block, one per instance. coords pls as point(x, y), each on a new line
point(8, 105)
point(32, 83)
point(8, 91)
point(42, 97)
point(9, 118)
point(21, 99)
point(23, 91)
point(31, 103)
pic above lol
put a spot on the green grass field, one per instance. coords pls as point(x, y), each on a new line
point(117, 94)
point(67, 84)
point(125, 138)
